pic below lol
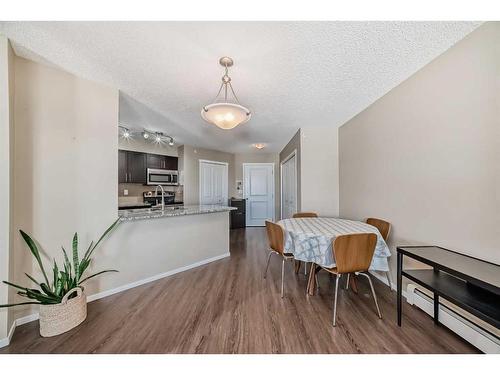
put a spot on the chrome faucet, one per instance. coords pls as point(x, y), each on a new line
point(162, 196)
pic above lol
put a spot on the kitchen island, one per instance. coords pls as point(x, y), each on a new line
point(150, 244)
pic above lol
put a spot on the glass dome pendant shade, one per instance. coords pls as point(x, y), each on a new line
point(222, 113)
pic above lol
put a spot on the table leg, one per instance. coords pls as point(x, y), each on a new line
point(436, 309)
point(311, 284)
point(297, 266)
point(352, 282)
point(400, 286)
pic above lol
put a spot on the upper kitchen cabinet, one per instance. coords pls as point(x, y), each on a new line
point(136, 163)
point(161, 162)
point(131, 167)
point(122, 166)
point(172, 163)
point(156, 161)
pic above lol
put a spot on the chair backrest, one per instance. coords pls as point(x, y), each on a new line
point(383, 226)
point(276, 236)
point(354, 252)
point(304, 214)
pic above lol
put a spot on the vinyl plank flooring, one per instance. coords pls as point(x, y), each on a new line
point(228, 307)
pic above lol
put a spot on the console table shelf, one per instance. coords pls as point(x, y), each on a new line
point(479, 302)
point(471, 284)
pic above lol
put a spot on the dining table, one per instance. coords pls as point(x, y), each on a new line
point(311, 239)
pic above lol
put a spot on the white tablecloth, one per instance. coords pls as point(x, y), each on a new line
point(310, 240)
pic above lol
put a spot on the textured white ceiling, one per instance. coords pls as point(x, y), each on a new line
point(290, 74)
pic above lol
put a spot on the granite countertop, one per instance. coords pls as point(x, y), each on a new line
point(148, 213)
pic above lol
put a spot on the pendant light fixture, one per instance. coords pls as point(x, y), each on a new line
point(223, 113)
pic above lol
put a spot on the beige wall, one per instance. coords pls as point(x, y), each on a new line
point(319, 171)
point(257, 157)
point(65, 169)
point(426, 156)
point(293, 145)
point(6, 174)
point(190, 170)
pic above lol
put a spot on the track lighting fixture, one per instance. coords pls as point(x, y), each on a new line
point(157, 137)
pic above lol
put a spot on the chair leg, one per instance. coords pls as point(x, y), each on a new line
point(305, 268)
point(388, 275)
point(347, 281)
point(373, 293)
point(267, 264)
point(282, 278)
point(337, 280)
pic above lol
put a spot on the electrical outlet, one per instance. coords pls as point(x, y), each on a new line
point(125, 192)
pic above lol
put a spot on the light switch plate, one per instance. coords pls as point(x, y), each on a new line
point(125, 192)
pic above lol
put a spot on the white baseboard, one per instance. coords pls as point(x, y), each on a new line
point(477, 336)
point(29, 318)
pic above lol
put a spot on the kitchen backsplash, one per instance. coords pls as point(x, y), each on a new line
point(135, 192)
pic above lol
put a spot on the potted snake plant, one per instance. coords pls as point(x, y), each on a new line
point(63, 303)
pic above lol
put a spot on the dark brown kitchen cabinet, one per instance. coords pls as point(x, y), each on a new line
point(161, 162)
point(131, 167)
point(156, 161)
point(172, 163)
point(136, 165)
point(122, 166)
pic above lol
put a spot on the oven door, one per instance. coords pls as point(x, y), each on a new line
point(159, 177)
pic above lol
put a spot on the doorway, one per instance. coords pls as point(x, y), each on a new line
point(258, 190)
point(213, 183)
point(289, 186)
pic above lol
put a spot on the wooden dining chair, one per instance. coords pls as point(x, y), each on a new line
point(299, 215)
point(276, 237)
point(385, 229)
point(353, 253)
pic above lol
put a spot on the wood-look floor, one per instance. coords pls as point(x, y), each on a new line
point(227, 307)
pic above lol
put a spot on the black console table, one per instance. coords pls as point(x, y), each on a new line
point(470, 283)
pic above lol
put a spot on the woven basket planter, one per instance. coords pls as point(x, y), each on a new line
point(60, 318)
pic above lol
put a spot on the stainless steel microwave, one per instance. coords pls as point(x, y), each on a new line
point(162, 177)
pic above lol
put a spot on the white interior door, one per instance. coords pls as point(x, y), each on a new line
point(288, 187)
point(259, 193)
point(213, 183)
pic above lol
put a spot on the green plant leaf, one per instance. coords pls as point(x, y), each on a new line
point(88, 249)
point(47, 291)
point(32, 279)
point(55, 272)
point(91, 249)
point(19, 304)
point(14, 285)
point(34, 250)
point(67, 263)
point(44, 299)
point(76, 266)
point(59, 286)
point(96, 274)
point(83, 265)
